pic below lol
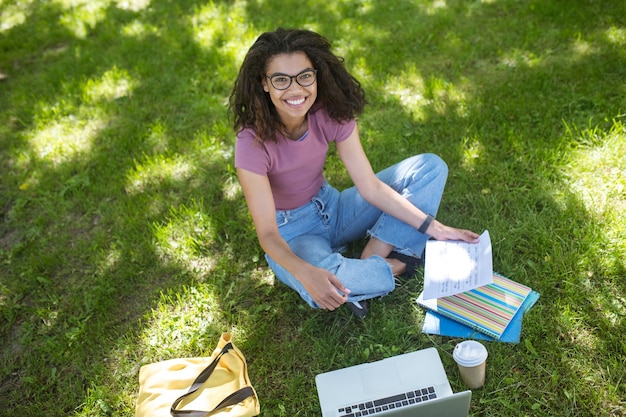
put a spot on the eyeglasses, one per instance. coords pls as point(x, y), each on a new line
point(283, 81)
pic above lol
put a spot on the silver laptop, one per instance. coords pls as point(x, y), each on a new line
point(410, 385)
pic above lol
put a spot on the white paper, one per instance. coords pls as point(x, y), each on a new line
point(453, 267)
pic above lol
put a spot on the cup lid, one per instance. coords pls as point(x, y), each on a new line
point(469, 353)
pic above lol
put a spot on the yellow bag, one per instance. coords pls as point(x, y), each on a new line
point(198, 387)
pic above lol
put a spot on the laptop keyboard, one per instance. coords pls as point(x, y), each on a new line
point(371, 408)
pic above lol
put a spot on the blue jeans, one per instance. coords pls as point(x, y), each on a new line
point(318, 231)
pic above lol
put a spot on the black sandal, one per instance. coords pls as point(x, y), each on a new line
point(411, 262)
point(359, 308)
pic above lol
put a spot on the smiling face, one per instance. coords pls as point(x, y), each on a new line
point(293, 103)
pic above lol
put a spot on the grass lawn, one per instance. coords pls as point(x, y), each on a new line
point(125, 238)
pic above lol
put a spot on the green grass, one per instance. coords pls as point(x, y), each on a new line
point(125, 239)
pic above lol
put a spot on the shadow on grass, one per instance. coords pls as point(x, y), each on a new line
point(87, 242)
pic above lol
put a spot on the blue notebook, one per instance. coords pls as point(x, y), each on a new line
point(440, 325)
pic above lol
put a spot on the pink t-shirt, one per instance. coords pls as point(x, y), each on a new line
point(295, 168)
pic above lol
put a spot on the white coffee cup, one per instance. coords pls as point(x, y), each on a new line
point(471, 357)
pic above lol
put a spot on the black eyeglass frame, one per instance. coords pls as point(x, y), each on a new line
point(292, 77)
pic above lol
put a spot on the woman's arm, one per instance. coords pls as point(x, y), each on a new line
point(324, 287)
point(386, 198)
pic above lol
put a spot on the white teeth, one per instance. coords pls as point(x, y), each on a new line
point(295, 102)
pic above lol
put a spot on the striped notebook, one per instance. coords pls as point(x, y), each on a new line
point(488, 309)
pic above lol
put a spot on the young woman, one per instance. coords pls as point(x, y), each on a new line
point(292, 98)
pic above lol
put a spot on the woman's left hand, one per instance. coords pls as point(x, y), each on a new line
point(440, 231)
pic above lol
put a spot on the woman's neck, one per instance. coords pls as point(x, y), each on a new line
point(295, 130)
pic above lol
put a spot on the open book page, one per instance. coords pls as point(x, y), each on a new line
point(453, 267)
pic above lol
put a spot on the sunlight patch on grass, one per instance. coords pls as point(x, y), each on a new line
point(224, 27)
point(604, 296)
point(82, 15)
point(183, 239)
point(14, 14)
point(472, 148)
point(597, 171)
point(596, 174)
point(133, 5)
point(582, 49)
point(210, 145)
point(616, 36)
point(139, 30)
point(264, 276)
point(356, 45)
point(419, 97)
point(364, 7)
point(611, 308)
point(519, 58)
point(408, 88)
point(156, 170)
point(113, 84)
point(62, 140)
point(158, 136)
point(232, 189)
point(577, 331)
point(431, 8)
point(180, 323)
point(110, 259)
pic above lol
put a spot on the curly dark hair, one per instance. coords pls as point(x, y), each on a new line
point(251, 107)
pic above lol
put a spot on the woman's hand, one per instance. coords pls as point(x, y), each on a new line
point(323, 286)
point(440, 231)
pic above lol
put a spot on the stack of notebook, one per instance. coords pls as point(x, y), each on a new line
point(465, 298)
point(491, 312)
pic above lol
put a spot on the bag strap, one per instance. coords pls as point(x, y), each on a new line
point(234, 398)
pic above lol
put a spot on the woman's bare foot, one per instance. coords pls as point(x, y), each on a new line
point(382, 249)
